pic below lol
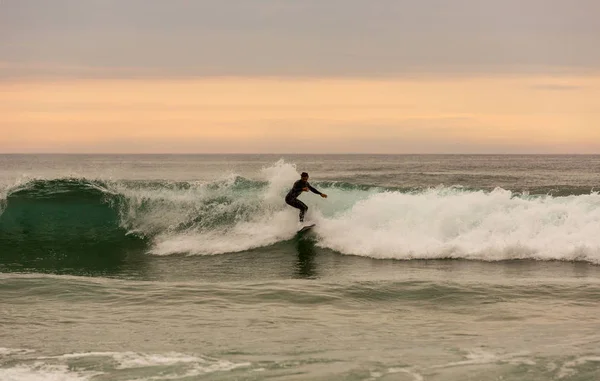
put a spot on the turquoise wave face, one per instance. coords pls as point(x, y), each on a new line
point(63, 224)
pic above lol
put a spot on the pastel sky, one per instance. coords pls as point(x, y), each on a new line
point(287, 76)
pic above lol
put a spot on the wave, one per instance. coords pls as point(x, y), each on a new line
point(448, 223)
point(26, 365)
point(53, 218)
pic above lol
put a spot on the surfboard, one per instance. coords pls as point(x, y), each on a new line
point(306, 228)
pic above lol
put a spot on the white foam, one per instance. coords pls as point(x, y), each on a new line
point(444, 223)
point(14, 351)
point(280, 177)
point(126, 360)
point(262, 219)
point(265, 230)
point(416, 376)
point(217, 366)
point(438, 223)
point(56, 368)
point(479, 356)
point(130, 360)
point(44, 372)
point(568, 370)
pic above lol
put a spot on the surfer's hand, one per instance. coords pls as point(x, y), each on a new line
point(305, 189)
point(323, 195)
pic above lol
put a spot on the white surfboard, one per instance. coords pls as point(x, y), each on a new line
point(306, 228)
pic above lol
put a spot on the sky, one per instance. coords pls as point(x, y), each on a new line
point(322, 76)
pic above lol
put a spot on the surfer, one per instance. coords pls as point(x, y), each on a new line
point(300, 186)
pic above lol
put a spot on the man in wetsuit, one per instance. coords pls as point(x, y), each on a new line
point(300, 186)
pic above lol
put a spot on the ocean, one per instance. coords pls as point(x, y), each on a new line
point(189, 267)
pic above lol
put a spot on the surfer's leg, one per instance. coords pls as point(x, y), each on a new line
point(298, 205)
point(303, 208)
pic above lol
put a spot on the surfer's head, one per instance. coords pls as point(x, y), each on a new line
point(304, 176)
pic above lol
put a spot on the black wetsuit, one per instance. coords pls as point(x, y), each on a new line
point(292, 196)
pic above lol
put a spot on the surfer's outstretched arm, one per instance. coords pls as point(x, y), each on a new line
point(314, 190)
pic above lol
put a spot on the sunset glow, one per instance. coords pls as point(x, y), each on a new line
point(502, 114)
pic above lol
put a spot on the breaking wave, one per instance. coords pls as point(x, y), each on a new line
point(51, 217)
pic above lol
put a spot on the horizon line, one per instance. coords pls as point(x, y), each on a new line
point(298, 153)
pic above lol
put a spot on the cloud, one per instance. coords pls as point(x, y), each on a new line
point(318, 38)
point(557, 87)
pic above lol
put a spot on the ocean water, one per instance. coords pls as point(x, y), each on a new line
point(189, 267)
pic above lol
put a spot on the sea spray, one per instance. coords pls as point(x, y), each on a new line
point(262, 219)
